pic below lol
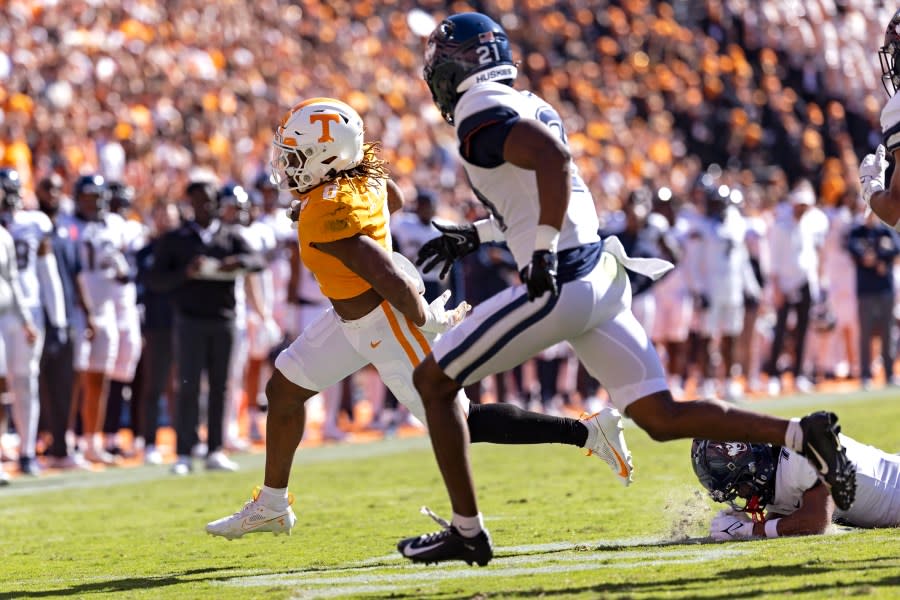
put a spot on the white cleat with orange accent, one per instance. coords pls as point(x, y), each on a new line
point(255, 517)
point(606, 441)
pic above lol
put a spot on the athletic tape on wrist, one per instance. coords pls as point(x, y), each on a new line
point(547, 238)
point(772, 528)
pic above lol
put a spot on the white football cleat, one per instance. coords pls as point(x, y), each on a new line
point(255, 517)
point(606, 441)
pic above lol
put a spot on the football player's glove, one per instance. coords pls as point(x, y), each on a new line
point(871, 173)
point(438, 319)
point(727, 526)
point(539, 275)
point(454, 242)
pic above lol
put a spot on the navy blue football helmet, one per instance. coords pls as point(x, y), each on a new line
point(465, 49)
point(91, 195)
point(11, 188)
point(743, 475)
point(232, 194)
point(888, 54)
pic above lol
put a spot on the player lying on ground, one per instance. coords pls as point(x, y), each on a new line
point(514, 149)
point(378, 314)
point(773, 491)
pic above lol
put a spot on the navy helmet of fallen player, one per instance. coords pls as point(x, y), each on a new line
point(463, 50)
point(743, 475)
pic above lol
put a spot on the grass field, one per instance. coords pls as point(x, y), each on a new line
point(563, 527)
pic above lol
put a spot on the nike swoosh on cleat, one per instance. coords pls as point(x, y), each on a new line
point(255, 525)
point(823, 466)
point(623, 468)
point(420, 549)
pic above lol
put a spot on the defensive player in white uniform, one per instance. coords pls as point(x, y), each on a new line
point(38, 280)
point(99, 236)
point(885, 200)
point(774, 492)
point(514, 151)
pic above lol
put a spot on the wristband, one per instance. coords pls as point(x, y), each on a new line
point(487, 231)
point(547, 238)
point(772, 528)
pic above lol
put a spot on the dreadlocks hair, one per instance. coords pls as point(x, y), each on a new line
point(371, 166)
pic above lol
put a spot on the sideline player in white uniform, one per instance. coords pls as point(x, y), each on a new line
point(674, 303)
point(99, 236)
point(774, 492)
point(839, 295)
point(128, 319)
point(40, 286)
point(513, 147)
point(725, 278)
point(378, 314)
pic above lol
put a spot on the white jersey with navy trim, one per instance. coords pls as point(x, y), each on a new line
point(510, 192)
point(877, 501)
point(28, 228)
point(101, 246)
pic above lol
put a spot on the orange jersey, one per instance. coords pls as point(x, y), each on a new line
point(338, 210)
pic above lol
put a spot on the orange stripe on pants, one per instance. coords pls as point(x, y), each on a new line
point(423, 343)
point(398, 333)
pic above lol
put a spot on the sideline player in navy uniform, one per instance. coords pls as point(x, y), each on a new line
point(514, 150)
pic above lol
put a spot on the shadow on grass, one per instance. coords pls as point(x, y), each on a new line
point(709, 588)
point(124, 585)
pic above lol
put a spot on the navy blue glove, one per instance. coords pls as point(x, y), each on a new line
point(455, 242)
point(540, 274)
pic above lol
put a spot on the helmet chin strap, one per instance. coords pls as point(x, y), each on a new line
point(754, 509)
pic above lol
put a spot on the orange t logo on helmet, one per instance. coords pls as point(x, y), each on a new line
point(325, 119)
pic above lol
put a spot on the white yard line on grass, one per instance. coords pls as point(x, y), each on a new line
point(373, 575)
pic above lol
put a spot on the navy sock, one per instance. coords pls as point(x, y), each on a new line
point(502, 423)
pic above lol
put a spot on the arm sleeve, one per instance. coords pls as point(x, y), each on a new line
point(489, 231)
point(51, 290)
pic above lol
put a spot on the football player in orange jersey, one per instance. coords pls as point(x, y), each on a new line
point(343, 199)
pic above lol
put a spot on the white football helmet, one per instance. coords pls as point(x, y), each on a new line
point(317, 138)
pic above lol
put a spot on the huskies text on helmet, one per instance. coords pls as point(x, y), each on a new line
point(318, 139)
point(465, 49)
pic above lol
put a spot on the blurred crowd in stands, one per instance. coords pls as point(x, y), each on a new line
point(694, 122)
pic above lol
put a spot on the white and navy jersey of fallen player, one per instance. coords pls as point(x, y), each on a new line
point(877, 501)
point(484, 117)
